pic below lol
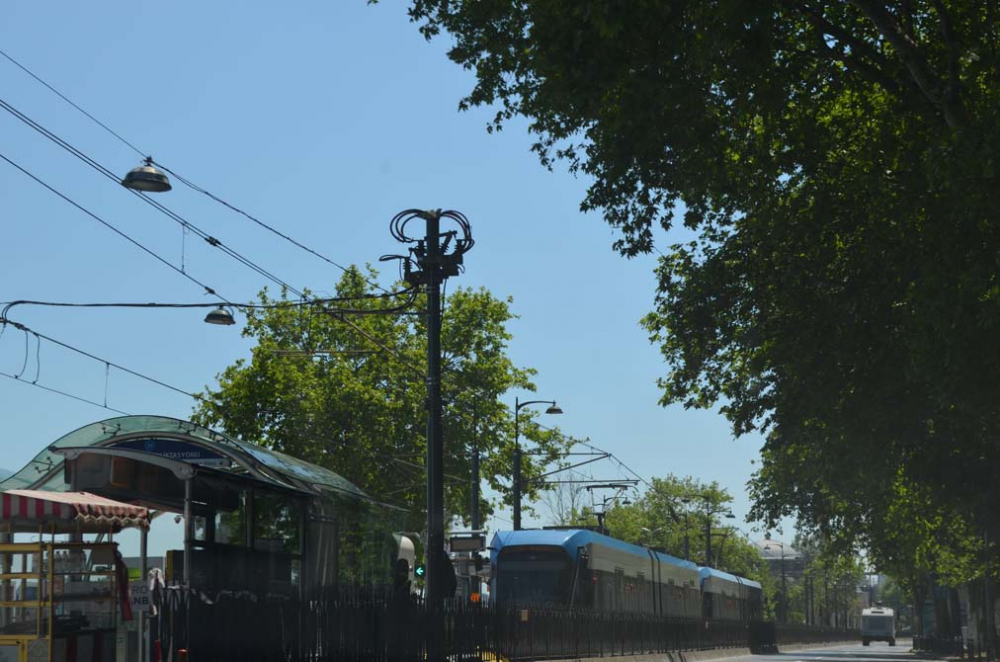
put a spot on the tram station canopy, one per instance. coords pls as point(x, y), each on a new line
point(188, 442)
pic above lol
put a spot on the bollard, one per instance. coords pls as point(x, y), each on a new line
point(182, 655)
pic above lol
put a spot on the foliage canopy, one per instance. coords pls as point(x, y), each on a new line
point(836, 163)
point(329, 392)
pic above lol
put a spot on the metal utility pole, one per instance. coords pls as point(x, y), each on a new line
point(708, 538)
point(475, 486)
point(687, 537)
point(435, 257)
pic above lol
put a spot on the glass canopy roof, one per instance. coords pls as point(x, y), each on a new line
point(45, 471)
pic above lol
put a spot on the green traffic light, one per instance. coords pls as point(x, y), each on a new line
point(419, 571)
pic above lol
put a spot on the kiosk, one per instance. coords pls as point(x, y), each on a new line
point(60, 600)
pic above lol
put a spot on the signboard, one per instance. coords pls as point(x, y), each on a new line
point(176, 449)
point(139, 596)
point(467, 543)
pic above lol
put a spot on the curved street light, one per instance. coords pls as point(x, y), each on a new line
point(222, 315)
point(147, 178)
point(518, 405)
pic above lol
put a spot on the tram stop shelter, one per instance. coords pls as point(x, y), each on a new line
point(60, 600)
point(254, 518)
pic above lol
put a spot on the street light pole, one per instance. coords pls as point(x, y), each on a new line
point(783, 616)
point(516, 488)
point(709, 512)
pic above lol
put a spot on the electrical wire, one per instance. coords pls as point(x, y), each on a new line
point(259, 222)
point(8, 305)
point(66, 99)
point(208, 290)
point(188, 225)
point(180, 178)
point(64, 393)
point(611, 456)
point(134, 373)
point(339, 315)
point(183, 223)
point(174, 216)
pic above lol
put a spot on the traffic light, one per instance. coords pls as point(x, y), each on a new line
point(419, 570)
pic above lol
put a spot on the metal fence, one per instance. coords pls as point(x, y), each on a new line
point(374, 626)
point(954, 647)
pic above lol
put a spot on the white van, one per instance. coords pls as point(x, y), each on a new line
point(878, 624)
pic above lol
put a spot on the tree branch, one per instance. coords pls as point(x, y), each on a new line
point(871, 71)
point(815, 16)
point(951, 45)
point(913, 58)
point(907, 7)
point(863, 58)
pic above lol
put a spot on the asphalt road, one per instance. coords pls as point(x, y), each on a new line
point(876, 652)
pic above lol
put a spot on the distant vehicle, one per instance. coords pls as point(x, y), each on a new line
point(878, 624)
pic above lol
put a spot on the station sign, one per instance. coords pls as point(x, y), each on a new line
point(177, 449)
point(472, 543)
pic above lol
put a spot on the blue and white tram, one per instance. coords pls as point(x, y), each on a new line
point(727, 597)
point(581, 569)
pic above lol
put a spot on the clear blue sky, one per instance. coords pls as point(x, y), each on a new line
point(323, 119)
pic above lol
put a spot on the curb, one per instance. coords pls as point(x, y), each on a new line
point(675, 656)
point(710, 654)
point(791, 648)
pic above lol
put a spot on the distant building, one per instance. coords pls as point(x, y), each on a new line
point(782, 559)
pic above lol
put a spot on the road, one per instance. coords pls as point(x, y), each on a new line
point(876, 652)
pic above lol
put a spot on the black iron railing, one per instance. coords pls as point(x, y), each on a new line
point(374, 626)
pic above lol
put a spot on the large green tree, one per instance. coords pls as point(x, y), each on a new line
point(836, 164)
point(341, 385)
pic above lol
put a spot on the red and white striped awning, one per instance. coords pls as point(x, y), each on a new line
point(68, 510)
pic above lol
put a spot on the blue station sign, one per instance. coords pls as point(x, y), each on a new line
point(177, 449)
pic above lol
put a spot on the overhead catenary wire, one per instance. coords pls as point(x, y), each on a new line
point(67, 100)
point(64, 393)
point(179, 177)
point(611, 456)
point(269, 228)
point(304, 303)
point(184, 224)
point(159, 206)
point(159, 258)
point(106, 362)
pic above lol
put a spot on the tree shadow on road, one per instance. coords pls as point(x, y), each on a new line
point(873, 654)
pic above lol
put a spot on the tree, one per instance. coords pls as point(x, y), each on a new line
point(345, 391)
point(830, 579)
point(671, 515)
point(837, 164)
point(565, 503)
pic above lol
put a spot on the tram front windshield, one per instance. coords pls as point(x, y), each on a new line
point(534, 576)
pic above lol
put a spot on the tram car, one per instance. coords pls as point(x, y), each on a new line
point(581, 569)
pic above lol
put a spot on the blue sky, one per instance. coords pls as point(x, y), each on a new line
point(324, 119)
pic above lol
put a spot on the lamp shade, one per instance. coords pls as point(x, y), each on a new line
point(554, 409)
point(147, 177)
point(220, 316)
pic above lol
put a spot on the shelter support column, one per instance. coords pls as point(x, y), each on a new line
point(188, 530)
point(5, 588)
point(143, 577)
